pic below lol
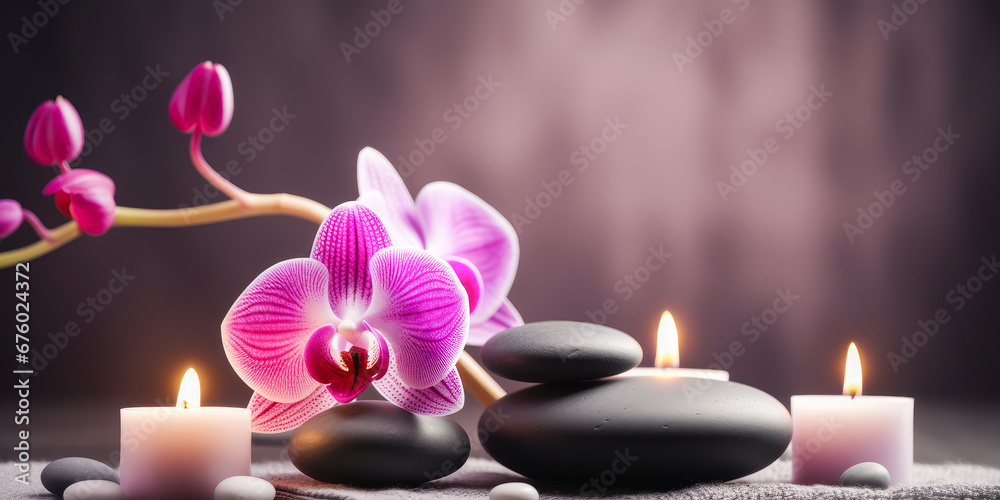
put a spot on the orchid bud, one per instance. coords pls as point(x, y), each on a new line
point(203, 101)
point(86, 196)
point(11, 216)
point(54, 133)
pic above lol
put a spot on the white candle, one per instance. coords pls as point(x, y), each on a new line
point(832, 433)
point(667, 360)
point(182, 452)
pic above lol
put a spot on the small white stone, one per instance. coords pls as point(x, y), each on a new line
point(244, 488)
point(94, 489)
point(514, 491)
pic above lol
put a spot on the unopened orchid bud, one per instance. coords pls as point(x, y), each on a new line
point(11, 216)
point(86, 196)
point(203, 101)
point(54, 134)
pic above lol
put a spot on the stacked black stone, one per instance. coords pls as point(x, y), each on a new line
point(584, 426)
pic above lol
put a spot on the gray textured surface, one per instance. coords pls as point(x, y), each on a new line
point(945, 481)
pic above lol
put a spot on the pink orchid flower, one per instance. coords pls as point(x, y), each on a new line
point(456, 225)
point(11, 217)
point(203, 102)
point(86, 196)
point(54, 134)
point(308, 333)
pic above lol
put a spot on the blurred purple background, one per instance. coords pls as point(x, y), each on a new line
point(685, 115)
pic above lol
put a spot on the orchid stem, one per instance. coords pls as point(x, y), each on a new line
point(256, 205)
point(64, 166)
point(477, 381)
point(212, 176)
point(36, 224)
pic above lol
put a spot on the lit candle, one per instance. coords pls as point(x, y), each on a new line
point(667, 362)
point(182, 452)
point(832, 433)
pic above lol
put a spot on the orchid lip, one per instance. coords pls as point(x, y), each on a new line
point(345, 358)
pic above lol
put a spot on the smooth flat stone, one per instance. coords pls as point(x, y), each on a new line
point(94, 489)
point(654, 431)
point(560, 351)
point(514, 491)
point(377, 444)
point(58, 475)
point(244, 488)
point(867, 474)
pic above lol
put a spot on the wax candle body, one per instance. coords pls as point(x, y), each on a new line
point(171, 453)
point(832, 433)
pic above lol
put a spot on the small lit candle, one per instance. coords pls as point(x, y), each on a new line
point(185, 451)
point(667, 361)
point(832, 433)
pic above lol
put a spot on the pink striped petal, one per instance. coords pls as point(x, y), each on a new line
point(270, 416)
point(400, 234)
point(266, 331)
point(505, 317)
point(458, 223)
point(345, 243)
point(398, 211)
point(423, 311)
point(443, 398)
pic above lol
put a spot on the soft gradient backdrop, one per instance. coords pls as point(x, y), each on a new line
point(558, 80)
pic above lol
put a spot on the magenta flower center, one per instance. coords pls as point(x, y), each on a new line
point(346, 358)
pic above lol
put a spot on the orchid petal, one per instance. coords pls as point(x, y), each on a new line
point(271, 416)
point(443, 398)
point(266, 331)
point(400, 234)
point(399, 213)
point(506, 317)
point(345, 243)
point(458, 223)
point(423, 311)
point(470, 278)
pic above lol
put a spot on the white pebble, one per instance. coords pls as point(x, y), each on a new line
point(514, 491)
point(244, 488)
point(94, 489)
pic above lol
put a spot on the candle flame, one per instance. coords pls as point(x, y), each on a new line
point(667, 351)
point(189, 395)
point(852, 372)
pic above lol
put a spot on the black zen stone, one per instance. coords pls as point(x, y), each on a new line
point(649, 431)
point(376, 444)
point(560, 351)
point(61, 473)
